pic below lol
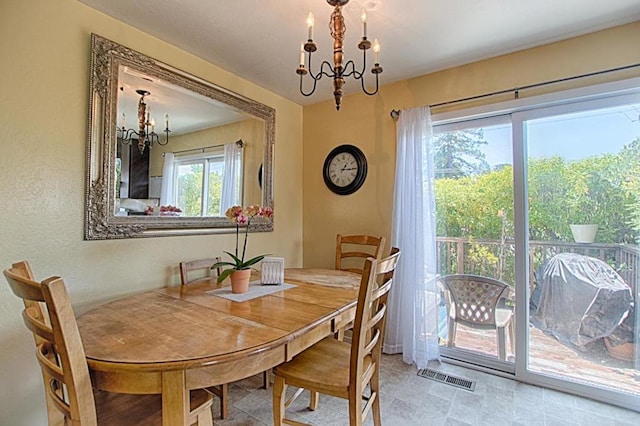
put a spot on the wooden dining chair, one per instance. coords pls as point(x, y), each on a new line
point(199, 271)
point(61, 356)
point(39, 309)
point(351, 253)
point(353, 250)
point(343, 369)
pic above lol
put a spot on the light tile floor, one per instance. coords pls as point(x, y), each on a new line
point(408, 399)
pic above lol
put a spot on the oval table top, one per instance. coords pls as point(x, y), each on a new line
point(175, 339)
point(185, 325)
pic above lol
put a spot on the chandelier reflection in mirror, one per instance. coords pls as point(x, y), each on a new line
point(145, 135)
point(338, 71)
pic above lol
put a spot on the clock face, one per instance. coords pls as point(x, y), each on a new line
point(345, 169)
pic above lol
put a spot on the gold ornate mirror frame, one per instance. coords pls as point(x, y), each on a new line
point(100, 220)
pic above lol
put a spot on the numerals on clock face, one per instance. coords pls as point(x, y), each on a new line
point(343, 169)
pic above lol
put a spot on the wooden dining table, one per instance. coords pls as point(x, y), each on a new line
point(171, 340)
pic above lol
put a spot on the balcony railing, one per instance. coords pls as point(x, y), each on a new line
point(496, 258)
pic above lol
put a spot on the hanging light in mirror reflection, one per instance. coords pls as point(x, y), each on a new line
point(338, 71)
point(145, 135)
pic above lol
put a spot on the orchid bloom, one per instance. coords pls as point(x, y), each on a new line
point(266, 212)
point(253, 210)
point(232, 213)
point(242, 219)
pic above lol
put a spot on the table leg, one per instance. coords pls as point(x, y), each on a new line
point(175, 399)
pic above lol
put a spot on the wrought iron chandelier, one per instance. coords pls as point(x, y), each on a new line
point(338, 71)
point(145, 135)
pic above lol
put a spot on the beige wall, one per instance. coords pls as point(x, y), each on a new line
point(364, 121)
point(45, 47)
point(44, 82)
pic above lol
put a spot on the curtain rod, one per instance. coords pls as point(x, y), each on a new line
point(395, 113)
point(204, 148)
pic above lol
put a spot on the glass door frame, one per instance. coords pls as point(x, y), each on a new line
point(456, 354)
point(519, 111)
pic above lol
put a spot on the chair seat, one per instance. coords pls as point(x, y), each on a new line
point(120, 409)
point(324, 368)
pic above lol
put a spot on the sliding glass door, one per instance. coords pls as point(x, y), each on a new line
point(474, 211)
point(545, 199)
point(583, 185)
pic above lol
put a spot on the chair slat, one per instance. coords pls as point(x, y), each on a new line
point(44, 354)
point(34, 322)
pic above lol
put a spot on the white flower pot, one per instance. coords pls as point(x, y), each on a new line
point(584, 233)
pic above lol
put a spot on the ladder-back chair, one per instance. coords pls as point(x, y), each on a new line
point(344, 369)
point(196, 272)
point(353, 250)
point(61, 356)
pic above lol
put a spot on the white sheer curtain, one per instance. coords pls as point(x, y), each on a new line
point(412, 320)
point(167, 192)
point(231, 180)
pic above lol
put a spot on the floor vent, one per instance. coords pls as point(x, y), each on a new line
point(458, 382)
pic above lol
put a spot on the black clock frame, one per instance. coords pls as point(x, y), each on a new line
point(361, 174)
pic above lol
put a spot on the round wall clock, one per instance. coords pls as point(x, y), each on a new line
point(345, 169)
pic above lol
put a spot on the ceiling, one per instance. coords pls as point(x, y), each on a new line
point(260, 40)
point(167, 104)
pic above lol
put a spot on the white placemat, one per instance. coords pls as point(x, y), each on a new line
point(256, 289)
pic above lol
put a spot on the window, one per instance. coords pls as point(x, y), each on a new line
point(207, 184)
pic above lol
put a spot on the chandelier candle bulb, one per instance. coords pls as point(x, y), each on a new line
point(310, 25)
point(153, 125)
point(302, 55)
point(376, 51)
point(363, 17)
point(166, 121)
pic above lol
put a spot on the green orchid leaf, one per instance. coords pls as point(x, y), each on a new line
point(253, 261)
point(238, 261)
point(224, 275)
point(221, 264)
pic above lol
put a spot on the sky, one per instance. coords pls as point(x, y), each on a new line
point(572, 136)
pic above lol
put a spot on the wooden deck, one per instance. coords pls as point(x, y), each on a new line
point(551, 357)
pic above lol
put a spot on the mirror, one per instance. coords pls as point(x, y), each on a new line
point(168, 152)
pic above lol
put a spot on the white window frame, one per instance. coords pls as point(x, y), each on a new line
point(205, 159)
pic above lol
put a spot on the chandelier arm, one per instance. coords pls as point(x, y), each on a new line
point(316, 77)
point(364, 89)
point(332, 72)
point(128, 135)
point(356, 74)
point(166, 140)
point(315, 82)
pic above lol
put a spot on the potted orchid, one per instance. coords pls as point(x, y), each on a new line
point(240, 269)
